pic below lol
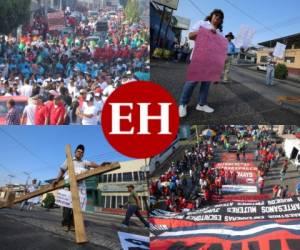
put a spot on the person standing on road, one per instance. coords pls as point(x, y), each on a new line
point(214, 22)
point(230, 53)
point(31, 202)
point(261, 184)
point(134, 206)
point(79, 167)
point(13, 115)
point(270, 69)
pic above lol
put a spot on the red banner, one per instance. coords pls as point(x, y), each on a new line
point(56, 20)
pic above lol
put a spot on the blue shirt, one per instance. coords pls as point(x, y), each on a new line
point(231, 48)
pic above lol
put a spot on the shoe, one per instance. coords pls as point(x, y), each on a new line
point(182, 111)
point(66, 228)
point(205, 108)
point(123, 225)
point(72, 229)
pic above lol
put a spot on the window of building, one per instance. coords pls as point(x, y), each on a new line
point(104, 178)
point(119, 201)
point(107, 201)
point(142, 176)
point(119, 177)
point(127, 176)
point(135, 176)
point(102, 201)
point(289, 59)
point(109, 178)
point(263, 59)
point(125, 199)
point(113, 202)
point(100, 178)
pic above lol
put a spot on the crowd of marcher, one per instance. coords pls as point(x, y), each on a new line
point(74, 72)
point(193, 181)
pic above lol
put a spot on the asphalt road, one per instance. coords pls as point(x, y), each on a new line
point(245, 100)
point(41, 229)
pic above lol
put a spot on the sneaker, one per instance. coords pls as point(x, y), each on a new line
point(182, 111)
point(123, 225)
point(66, 228)
point(72, 229)
point(204, 108)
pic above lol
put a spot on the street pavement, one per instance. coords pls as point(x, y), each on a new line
point(41, 229)
point(245, 100)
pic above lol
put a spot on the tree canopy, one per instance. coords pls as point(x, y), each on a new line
point(12, 14)
point(132, 11)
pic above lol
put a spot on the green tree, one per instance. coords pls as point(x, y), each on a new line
point(132, 11)
point(12, 14)
point(49, 201)
point(281, 71)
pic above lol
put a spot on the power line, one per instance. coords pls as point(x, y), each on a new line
point(285, 23)
point(251, 17)
point(24, 147)
point(197, 8)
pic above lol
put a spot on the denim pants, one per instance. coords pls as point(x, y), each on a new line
point(270, 75)
point(188, 91)
point(133, 209)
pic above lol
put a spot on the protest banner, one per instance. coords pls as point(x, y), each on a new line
point(268, 224)
point(240, 188)
point(244, 37)
point(207, 63)
point(246, 171)
point(56, 20)
point(133, 241)
point(279, 50)
point(63, 198)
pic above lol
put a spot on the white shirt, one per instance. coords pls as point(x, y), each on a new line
point(26, 90)
point(108, 90)
point(29, 110)
point(89, 110)
point(79, 167)
point(103, 85)
point(99, 107)
point(31, 189)
point(204, 24)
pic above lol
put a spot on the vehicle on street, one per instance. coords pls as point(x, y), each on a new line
point(262, 67)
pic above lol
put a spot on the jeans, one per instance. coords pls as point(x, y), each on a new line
point(270, 75)
point(133, 209)
point(188, 91)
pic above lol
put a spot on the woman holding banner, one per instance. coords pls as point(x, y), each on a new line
point(213, 22)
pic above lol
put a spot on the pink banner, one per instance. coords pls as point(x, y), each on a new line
point(209, 57)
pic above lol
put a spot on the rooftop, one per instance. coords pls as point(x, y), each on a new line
point(292, 41)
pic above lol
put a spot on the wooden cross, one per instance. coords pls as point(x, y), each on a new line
point(80, 234)
point(77, 214)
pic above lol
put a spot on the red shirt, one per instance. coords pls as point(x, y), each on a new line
point(55, 113)
point(41, 113)
point(49, 105)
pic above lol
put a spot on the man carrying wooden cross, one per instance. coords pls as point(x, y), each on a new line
point(79, 167)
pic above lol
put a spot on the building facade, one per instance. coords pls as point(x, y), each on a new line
point(292, 53)
point(108, 191)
